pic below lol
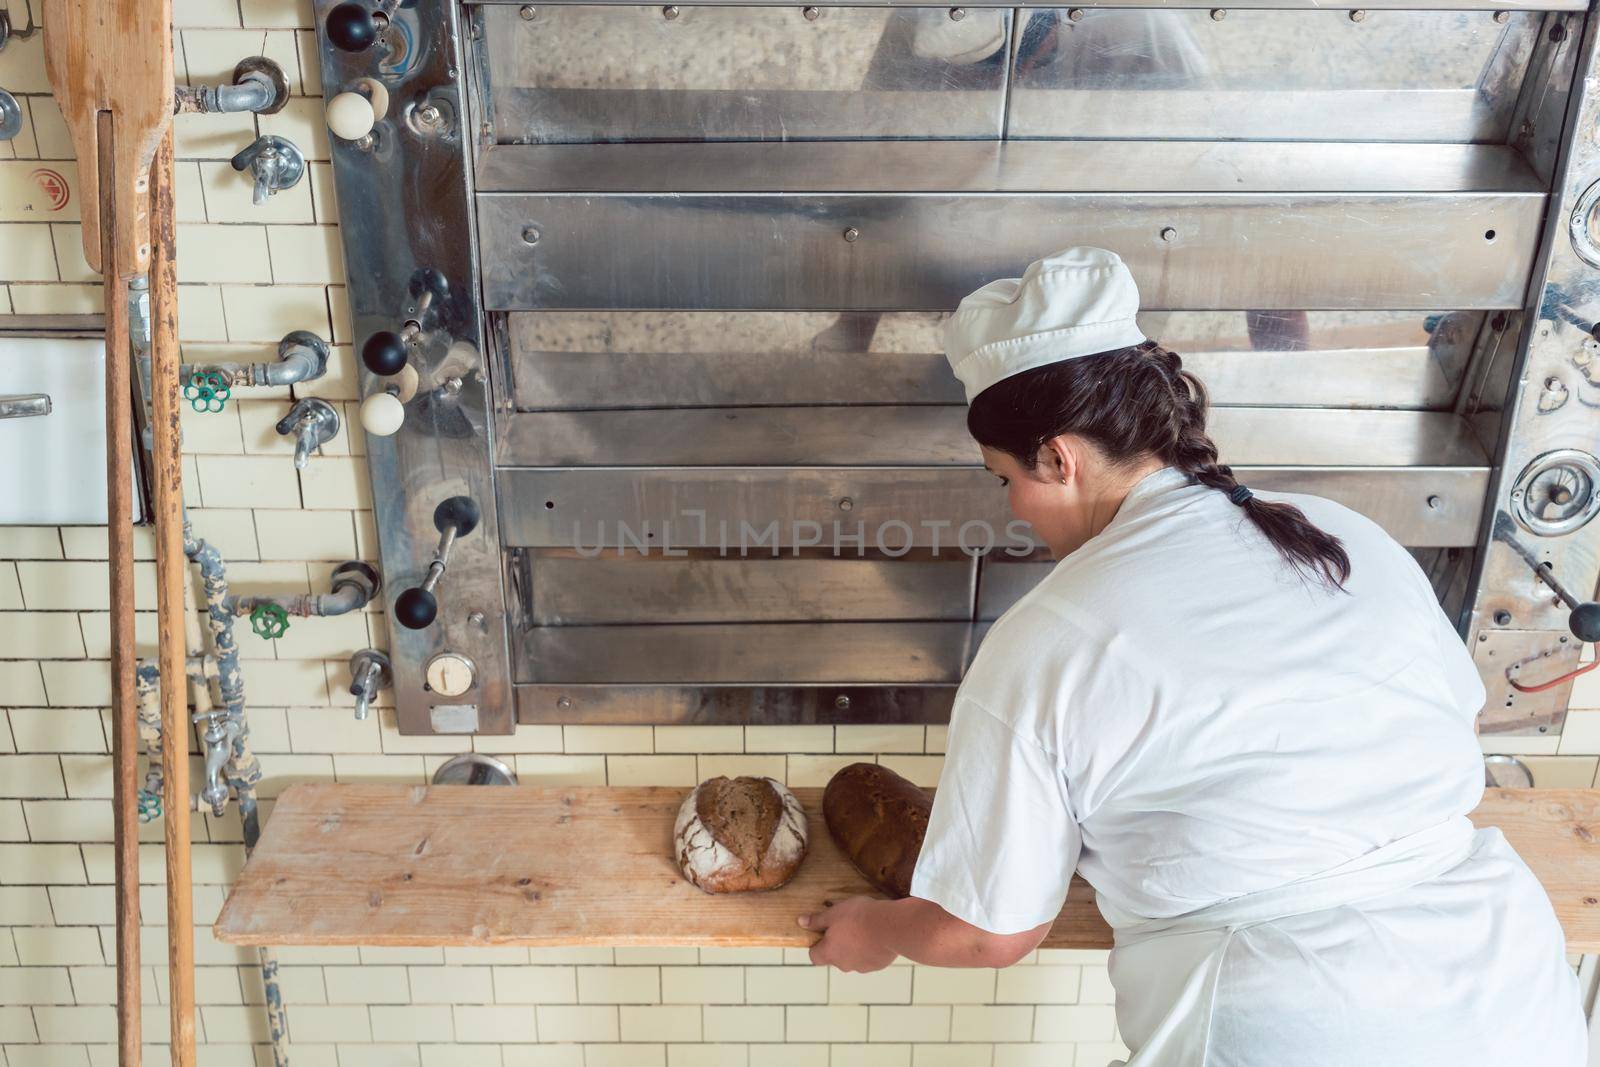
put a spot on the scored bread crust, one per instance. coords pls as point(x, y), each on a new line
point(714, 867)
point(878, 819)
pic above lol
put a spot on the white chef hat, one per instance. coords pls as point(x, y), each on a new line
point(1077, 302)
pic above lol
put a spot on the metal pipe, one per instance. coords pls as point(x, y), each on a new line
point(255, 92)
point(354, 585)
point(298, 363)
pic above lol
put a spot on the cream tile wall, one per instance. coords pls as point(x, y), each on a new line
point(247, 276)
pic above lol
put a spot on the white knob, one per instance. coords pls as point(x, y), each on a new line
point(351, 116)
point(382, 414)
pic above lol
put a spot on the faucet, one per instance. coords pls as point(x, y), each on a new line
point(276, 164)
point(313, 423)
point(219, 737)
point(370, 671)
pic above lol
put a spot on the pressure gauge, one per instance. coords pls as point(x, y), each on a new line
point(1557, 493)
point(451, 674)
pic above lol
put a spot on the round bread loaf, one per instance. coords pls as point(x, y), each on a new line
point(736, 834)
point(878, 820)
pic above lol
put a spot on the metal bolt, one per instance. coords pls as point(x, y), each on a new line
point(1075, 15)
point(1483, 637)
point(670, 12)
point(1435, 503)
point(452, 385)
point(845, 504)
point(1502, 617)
point(564, 702)
point(1169, 234)
point(1502, 17)
point(530, 235)
point(851, 234)
point(957, 14)
point(429, 114)
point(529, 13)
point(1358, 15)
point(1218, 14)
point(1558, 33)
point(487, 130)
point(812, 14)
point(476, 618)
point(841, 702)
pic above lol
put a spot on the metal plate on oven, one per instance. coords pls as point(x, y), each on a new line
point(1437, 76)
point(1529, 657)
point(581, 73)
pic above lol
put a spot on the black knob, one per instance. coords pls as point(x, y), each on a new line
point(384, 353)
point(351, 27)
point(416, 609)
point(1585, 622)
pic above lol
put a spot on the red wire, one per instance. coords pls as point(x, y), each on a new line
point(1585, 669)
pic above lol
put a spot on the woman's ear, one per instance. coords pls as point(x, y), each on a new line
point(1060, 459)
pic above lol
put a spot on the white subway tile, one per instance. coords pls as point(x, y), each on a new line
point(953, 985)
point(952, 1055)
point(702, 985)
point(320, 177)
point(339, 636)
point(27, 253)
point(68, 239)
point(492, 1024)
point(920, 770)
point(742, 1023)
point(282, 771)
point(570, 955)
point(386, 955)
point(214, 137)
point(212, 433)
point(189, 197)
point(22, 63)
point(1074, 1022)
point(707, 1056)
point(57, 946)
point(35, 985)
point(339, 383)
point(16, 1025)
point(65, 299)
point(892, 985)
point(1038, 985)
point(331, 481)
point(31, 776)
point(22, 681)
point(989, 1022)
point(833, 1022)
point(697, 739)
point(205, 13)
point(26, 905)
point(577, 1022)
point(57, 1055)
point(528, 738)
point(560, 770)
point(788, 738)
point(388, 768)
point(878, 1056)
point(636, 956)
point(277, 14)
point(329, 1023)
point(68, 820)
point(608, 739)
point(1095, 987)
point(40, 635)
point(733, 766)
point(535, 985)
point(786, 985)
point(229, 192)
point(77, 683)
point(1561, 772)
point(452, 985)
point(619, 985)
point(716, 957)
point(248, 481)
point(32, 542)
point(10, 588)
point(542, 1055)
point(383, 1054)
point(459, 1056)
point(200, 316)
point(651, 770)
point(1519, 744)
point(226, 1023)
point(64, 1025)
point(484, 955)
point(1579, 737)
point(232, 532)
point(367, 985)
point(414, 1022)
point(306, 255)
point(815, 771)
point(631, 1055)
point(13, 827)
point(58, 730)
point(892, 1022)
point(214, 253)
point(660, 1022)
point(79, 585)
point(308, 535)
point(876, 737)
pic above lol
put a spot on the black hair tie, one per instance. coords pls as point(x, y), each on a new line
point(1241, 495)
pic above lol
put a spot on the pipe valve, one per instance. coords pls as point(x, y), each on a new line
point(456, 517)
point(313, 423)
point(370, 671)
point(275, 163)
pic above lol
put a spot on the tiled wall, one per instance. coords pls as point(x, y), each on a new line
point(248, 276)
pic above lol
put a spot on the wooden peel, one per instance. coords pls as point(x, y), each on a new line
point(110, 66)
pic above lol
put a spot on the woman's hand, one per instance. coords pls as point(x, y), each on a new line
point(851, 936)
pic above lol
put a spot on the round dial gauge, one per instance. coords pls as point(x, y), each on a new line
point(450, 674)
point(1557, 493)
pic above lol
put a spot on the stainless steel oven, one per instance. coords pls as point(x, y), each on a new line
point(672, 278)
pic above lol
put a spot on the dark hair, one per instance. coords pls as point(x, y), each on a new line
point(1133, 403)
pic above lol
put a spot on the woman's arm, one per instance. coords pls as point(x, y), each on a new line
point(867, 934)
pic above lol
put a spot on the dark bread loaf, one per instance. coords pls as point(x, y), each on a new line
point(734, 834)
point(878, 820)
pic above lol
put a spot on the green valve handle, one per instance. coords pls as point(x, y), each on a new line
point(207, 391)
point(149, 806)
point(269, 621)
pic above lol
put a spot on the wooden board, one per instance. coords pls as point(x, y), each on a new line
point(482, 865)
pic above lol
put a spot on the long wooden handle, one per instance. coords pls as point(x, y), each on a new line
point(119, 538)
point(171, 573)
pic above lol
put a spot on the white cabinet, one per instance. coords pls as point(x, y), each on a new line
point(53, 467)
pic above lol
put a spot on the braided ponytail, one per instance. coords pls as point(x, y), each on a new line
point(1134, 403)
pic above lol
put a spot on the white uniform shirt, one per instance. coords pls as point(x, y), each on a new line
point(1184, 719)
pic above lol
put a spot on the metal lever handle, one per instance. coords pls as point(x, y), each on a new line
point(25, 406)
point(1584, 622)
point(415, 609)
point(275, 163)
